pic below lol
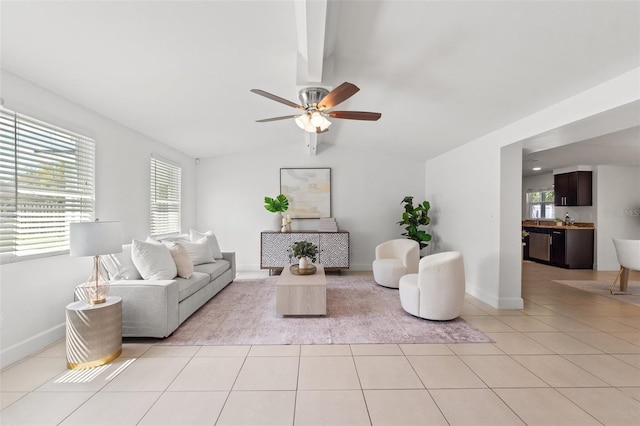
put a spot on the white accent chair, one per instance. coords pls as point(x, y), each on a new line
point(628, 252)
point(394, 259)
point(436, 292)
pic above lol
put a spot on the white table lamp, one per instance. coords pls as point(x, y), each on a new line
point(95, 239)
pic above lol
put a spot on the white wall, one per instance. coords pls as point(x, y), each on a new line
point(509, 292)
point(468, 186)
point(34, 293)
point(464, 187)
point(366, 194)
point(618, 211)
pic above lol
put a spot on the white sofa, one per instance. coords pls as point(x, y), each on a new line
point(156, 307)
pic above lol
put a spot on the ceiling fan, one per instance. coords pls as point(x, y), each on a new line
point(316, 104)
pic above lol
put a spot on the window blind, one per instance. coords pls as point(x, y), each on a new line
point(46, 182)
point(166, 181)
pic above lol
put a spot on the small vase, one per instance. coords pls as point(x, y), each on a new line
point(304, 263)
point(277, 221)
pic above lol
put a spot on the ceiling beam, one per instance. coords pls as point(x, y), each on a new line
point(312, 143)
point(311, 24)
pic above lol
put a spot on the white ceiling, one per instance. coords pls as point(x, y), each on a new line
point(609, 138)
point(621, 148)
point(441, 73)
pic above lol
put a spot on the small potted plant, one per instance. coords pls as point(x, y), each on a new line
point(280, 204)
point(305, 252)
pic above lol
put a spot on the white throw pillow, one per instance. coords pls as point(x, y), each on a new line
point(120, 266)
point(199, 252)
point(211, 240)
point(178, 238)
point(181, 258)
point(153, 261)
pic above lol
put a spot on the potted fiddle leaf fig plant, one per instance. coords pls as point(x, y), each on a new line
point(304, 251)
point(277, 205)
point(413, 218)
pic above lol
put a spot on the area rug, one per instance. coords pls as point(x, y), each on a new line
point(358, 311)
point(602, 288)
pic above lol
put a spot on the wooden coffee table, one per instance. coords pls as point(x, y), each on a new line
point(301, 294)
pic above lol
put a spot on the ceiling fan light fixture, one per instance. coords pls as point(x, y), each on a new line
point(303, 121)
point(317, 119)
point(313, 122)
point(325, 125)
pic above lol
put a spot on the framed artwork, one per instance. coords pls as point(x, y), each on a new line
point(308, 191)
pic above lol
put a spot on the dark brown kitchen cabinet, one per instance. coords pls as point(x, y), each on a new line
point(558, 248)
point(572, 248)
point(573, 189)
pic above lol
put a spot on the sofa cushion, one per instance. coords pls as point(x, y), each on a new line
point(214, 269)
point(187, 287)
point(212, 241)
point(153, 261)
point(119, 266)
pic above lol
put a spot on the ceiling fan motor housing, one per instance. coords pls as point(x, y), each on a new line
point(310, 96)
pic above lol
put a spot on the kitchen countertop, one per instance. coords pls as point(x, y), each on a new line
point(549, 224)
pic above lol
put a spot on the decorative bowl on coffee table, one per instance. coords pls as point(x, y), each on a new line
point(296, 270)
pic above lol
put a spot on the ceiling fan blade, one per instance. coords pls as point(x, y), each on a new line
point(276, 98)
point(338, 95)
point(264, 120)
point(355, 115)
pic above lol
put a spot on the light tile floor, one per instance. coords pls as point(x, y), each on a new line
point(568, 358)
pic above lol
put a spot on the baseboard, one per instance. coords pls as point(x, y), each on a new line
point(32, 345)
point(511, 303)
point(483, 296)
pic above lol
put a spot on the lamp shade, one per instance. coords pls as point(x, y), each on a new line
point(311, 122)
point(302, 121)
point(95, 238)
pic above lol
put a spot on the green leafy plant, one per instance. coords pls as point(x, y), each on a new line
point(276, 205)
point(303, 249)
point(413, 218)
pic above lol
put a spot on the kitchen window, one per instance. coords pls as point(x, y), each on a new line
point(540, 204)
point(46, 182)
point(166, 181)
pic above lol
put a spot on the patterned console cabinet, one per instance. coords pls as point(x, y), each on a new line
point(333, 248)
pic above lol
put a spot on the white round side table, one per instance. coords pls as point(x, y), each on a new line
point(94, 333)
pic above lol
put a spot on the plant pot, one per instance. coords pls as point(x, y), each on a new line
point(304, 263)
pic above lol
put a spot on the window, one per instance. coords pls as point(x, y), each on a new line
point(540, 204)
point(165, 197)
point(46, 182)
